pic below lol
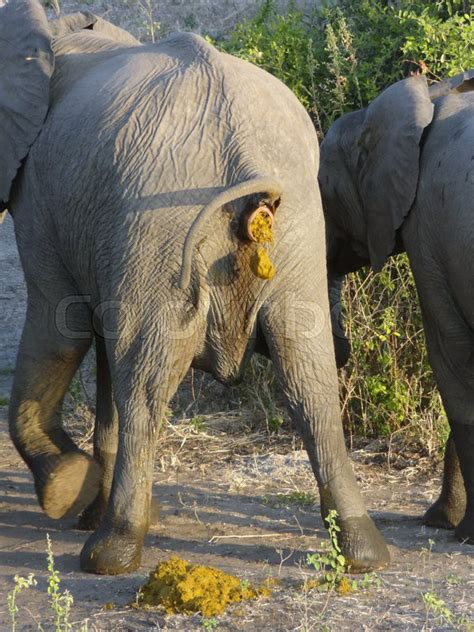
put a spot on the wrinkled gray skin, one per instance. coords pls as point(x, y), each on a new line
point(128, 213)
point(399, 175)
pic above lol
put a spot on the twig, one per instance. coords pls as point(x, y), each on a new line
point(249, 535)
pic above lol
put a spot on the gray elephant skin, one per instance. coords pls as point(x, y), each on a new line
point(129, 171)
point(399, 176)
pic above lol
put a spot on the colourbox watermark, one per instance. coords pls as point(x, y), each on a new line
point(78, 318)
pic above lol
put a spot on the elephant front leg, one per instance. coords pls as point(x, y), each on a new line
point(299, 338)
point(143, 391)
point(448, 511)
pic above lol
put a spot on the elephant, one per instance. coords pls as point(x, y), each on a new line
point(166, 207)
point(398, 176)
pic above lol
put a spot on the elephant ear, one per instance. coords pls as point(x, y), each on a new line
point(389, 161)
point(68, 24)
point(463, 82)
point(27, 64)
point(84, 20)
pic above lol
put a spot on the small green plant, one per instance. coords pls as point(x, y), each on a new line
point(332, 563)
point(210, 624)
point(150, 24)
point(76, 389)
point(332, 566)
point(20, 584)
point(197, 424)
point(4, 401)
point(425, 552)
point(275, 424)
point(61, 602)
point(453, 580)
point(190, 22)
point(298, 498)
point(368, 581)
point(437, 607)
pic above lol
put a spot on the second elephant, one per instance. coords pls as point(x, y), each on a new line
point(399, 175)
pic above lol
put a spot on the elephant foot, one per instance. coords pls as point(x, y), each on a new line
point(362, 545)
point(109, 553)
point(444, 515)
point(71, 485)
point(92, 516)
point(465, 530)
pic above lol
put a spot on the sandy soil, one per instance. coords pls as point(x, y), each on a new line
point(241, 517)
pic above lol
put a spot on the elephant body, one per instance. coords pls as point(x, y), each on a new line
point(399, 175)
point(130, 213)
point(443, 258)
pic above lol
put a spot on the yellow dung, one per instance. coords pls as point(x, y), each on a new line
point(261, 265)
point(185, 588)
point(261, 228)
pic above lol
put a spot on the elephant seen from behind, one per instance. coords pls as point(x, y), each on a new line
point(399, 176)
point(134, 174)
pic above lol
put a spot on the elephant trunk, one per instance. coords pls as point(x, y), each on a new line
point(256, 185)
point(342, 346)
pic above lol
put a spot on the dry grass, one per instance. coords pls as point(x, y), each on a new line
point(208, 424)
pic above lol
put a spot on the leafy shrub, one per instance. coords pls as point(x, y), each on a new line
point(339, 58)
point(446, 45)
point(335, 60)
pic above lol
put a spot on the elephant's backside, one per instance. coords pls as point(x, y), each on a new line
point(162, 128)
point(169, 210)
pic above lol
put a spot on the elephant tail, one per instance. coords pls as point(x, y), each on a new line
point(266, 185)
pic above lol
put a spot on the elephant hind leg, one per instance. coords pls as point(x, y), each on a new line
point(450, 343)
point(146, 372)
point(66, 478)
point(105, 439)
point(105, 444)
point(448, 510)
point(301, 348)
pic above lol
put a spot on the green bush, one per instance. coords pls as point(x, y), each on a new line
point(339, 58)
point(335, 60)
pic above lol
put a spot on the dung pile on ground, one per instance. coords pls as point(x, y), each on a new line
point(180, 587)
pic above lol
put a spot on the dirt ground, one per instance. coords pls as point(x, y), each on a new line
point(231, 500)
